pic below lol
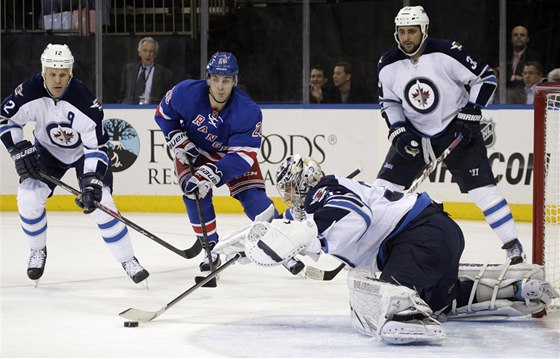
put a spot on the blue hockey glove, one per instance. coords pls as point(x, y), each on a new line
point(468, 122)
point(405, 142)
point(27, 160)
point(180, 144)
point(91, 192)
point(204, 178)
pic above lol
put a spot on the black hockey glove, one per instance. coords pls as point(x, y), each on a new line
point(91, 192)
point(27, 160)
point(405, 142)
point(468, 122)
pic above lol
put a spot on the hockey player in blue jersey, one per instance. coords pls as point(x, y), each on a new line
point(429, 91)
point(404, 251)
point(68, 134)
point(218, 128)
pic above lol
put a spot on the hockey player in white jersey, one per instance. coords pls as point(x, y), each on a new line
point(424, 100)
point(406, 237)
point(68, 133)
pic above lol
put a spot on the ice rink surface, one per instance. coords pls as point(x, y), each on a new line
point(254, 312)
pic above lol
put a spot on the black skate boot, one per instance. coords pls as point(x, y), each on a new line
point(135, 271)
point(205, 265)
point(37, 261)
point(514, 252)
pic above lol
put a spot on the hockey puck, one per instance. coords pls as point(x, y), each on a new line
point(130, 324)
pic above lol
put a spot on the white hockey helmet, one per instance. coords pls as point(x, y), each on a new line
point(296, 177)
point(411, 16)
point(57, 56)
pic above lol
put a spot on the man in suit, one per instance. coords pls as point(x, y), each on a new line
point(520, 55)
point(145, 81)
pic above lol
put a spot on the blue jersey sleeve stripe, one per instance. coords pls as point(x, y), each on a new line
point(352, 207)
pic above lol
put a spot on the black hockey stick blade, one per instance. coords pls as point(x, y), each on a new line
point(139, 315)
point(188, 253)
point(319, 274)
point(210, 284)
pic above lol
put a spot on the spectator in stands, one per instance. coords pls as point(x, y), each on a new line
point(520, 55)
point(554, 75)
point(346, 90)
point(319, 89)
point(532, 75)
point(145, 81)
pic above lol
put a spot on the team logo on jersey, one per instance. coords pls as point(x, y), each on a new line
point(422, 95)
point(124, 143)
point(62, 135)
point(319, 195)
point(19, 90)
point(488, 132)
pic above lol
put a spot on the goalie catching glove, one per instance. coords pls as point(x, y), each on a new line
point(405, 142)
point(202, 181)
point(271, 244)
point(27, 160)
point(182, 147)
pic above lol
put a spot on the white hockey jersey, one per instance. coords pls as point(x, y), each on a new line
point(68, 128)
point(429, 92)
point(354, 218)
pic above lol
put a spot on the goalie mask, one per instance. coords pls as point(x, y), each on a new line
point(412, 16)
point(296, 177)
point(58, 57)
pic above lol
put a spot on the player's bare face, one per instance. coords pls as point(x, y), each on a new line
point(56, 80)
point(147, 53)
point(220, 87)
point(410, 38)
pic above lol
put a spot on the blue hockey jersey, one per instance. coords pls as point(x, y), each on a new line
point(231, 137)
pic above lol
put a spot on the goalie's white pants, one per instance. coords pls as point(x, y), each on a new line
point(395, 314)
point(32, 198)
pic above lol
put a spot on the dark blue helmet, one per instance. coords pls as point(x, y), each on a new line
point(222, 63)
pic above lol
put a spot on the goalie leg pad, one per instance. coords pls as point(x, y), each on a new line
point(503, 291)
point(395, 314)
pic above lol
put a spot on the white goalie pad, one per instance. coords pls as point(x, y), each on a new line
point(392, 313)
point(501, 290)
point(270, 244)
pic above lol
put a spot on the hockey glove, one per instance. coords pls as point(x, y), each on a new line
point(406, 143)
point(91, 192)
point(468, 122)
point(27, 160)
point(204, 178)
point(182, 146)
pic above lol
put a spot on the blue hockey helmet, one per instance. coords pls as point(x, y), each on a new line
point(222, 63)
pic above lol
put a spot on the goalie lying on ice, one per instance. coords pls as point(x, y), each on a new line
point(406, 237)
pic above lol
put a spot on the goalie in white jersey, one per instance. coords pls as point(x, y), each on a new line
point(429, 91)
point(68, 134)
point(406, 237)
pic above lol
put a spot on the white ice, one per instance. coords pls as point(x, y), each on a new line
point(254, 312)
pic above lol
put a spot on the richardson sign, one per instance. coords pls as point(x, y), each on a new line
point(341, 140)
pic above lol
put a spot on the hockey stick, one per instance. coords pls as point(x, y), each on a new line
point(318, 274)
point(430, 167)
point(146, 316)
point(188, 253)
point(210, 283)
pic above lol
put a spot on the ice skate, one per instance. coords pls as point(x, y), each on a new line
point(205, 264)
point(36, 267)
point(135, 271)
point(514, 252)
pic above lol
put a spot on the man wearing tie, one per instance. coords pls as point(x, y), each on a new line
point(145, 81)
